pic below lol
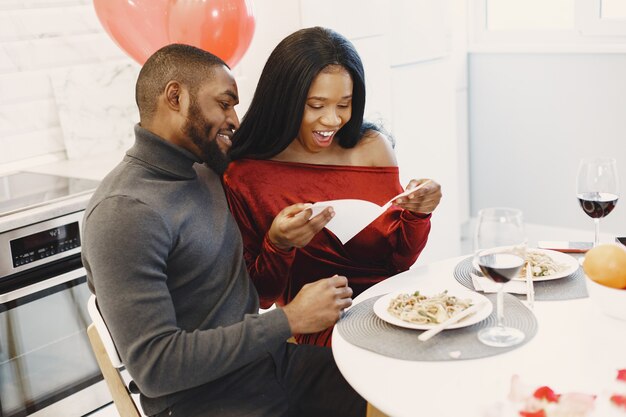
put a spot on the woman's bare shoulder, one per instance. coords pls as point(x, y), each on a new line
point(375, 149)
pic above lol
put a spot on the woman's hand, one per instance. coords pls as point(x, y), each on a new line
point(422, 201)
point(293, 226)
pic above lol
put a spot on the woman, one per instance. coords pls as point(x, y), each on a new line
point(303, 140)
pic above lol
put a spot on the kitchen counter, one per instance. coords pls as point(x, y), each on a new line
point(91, 168)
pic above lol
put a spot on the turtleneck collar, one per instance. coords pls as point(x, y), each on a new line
point(163, 155)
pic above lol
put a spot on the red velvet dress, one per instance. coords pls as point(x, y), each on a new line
point(257, 190)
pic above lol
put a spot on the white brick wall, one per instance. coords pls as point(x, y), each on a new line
point(36, 38)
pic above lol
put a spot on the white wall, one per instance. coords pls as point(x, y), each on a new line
point(414, 74)
point(412, 78)
point(38, 37)
point(426, 94)
point(547, 87)
point(533, 116)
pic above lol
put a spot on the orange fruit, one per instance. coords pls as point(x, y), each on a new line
point(606, 265)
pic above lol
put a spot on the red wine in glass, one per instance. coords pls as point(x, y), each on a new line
point(499, 252)
point(597, 189)
point(500, 267)
point(597, 205)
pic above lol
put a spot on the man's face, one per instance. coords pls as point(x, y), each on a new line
point(211, 119)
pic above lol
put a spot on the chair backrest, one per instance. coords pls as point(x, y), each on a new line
point(103, 330)
point(374, 412)
point(109, 362)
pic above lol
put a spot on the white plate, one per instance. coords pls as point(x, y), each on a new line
point(570, 264)
point(381, 305)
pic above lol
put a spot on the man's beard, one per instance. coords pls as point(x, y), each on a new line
point(198, 129)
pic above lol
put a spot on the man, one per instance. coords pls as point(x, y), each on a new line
point(165, 260)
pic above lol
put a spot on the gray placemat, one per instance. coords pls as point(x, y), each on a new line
point(362, 327)
point(568, 288)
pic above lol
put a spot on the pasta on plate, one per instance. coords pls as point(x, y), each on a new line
point(421, 309)
point(541, 264)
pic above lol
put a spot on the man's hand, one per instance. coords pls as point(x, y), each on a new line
point(423, 201)
point(293, 226)
point(318, 305)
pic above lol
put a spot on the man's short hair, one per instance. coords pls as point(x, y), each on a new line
point(186, 64)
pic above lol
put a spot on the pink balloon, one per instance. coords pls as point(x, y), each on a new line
point(222, 27)
point(140, 27)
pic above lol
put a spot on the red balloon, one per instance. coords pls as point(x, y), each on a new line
point(140, 27)
point(222, 27)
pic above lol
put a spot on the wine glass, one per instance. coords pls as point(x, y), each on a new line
point(500, 253)
point(597, 189)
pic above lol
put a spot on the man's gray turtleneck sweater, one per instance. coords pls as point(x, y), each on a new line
point(164, 258)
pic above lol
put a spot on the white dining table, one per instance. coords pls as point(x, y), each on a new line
point(577, 348)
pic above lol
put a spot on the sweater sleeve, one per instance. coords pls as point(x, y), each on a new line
point(408, 234)
point(125, 251)
point(268, 266)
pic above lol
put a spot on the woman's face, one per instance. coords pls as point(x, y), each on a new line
point(328, 108)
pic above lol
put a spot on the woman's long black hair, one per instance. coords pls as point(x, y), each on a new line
point(273, 119)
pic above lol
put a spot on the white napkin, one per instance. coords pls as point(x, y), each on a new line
point(486, 285)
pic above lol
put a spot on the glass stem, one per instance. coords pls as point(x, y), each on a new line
point(596, 241)
point(500, 305)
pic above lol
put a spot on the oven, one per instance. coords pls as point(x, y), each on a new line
point(47, 367)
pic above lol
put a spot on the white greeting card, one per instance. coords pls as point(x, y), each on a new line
point(353, 215)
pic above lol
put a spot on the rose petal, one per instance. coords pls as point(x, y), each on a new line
point(619, 400)
point(546, 393)
point(539, 413)
point(621, 375)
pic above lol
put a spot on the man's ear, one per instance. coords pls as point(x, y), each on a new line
point(173, 92)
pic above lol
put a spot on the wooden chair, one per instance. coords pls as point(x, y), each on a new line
point(374, 412)
point(110, 362)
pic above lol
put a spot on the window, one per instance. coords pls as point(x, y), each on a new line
point(613, 9)
point(548, 26)
point(603, 17)
point(530, 15)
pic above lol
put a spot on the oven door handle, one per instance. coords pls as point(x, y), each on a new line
point(43, 285)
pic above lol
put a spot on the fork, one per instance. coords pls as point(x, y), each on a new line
point(530, 287)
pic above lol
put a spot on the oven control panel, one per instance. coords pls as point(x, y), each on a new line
point(37, 244)
point(42, 245)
